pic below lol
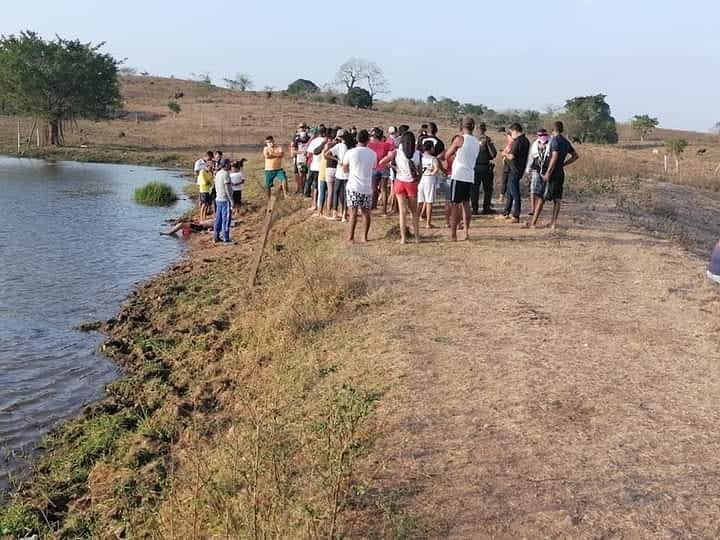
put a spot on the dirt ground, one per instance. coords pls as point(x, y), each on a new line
point(551, 384)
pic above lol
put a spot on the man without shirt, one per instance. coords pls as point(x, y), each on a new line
point(463, 152)
point(358, 164)
point(559, 149)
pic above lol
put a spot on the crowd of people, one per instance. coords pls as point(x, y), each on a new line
point(348, 173)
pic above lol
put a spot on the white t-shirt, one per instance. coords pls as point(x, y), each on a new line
point(362, 161)
point(316, 159)
point(429, 162)
point(222, 186)
point(199, 166)
point(237, 179)
point(463, 167)
point(339, 151)
point(402, 165)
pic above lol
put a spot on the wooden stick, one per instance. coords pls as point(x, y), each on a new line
point(263, 240)
point(18, 135)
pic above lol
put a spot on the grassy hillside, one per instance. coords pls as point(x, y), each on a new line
point(238, 122)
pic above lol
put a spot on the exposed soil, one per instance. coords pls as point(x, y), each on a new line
point(552, 384)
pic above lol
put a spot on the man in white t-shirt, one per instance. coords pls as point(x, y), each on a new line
point(201, 164)
point(223, 203)
point(337, 152)
point(358, 164)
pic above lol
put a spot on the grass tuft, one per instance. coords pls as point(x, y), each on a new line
point(155, 194)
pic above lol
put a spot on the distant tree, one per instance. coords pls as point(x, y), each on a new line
point(448, 108)
point(595, 123)
point(431, 100)
point(356, 71)
point(642, 124)
point(241, 82)
point(57, 81)
point(675, 148)
point(359, 98)
point(302, 87)
point(174, 107)
point(471, 109)
point(716, 128)
point(127, 70)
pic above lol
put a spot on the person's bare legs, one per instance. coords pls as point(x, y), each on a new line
point(555, 213)
point(454, 218)
point(412, 205)
point(539, 204)
point(366, 223)
point(329, 197)
point(467, 216)
point(385, 194)
point(401, 209)
point(353, 222)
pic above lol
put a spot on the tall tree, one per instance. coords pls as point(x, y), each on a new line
point(57, 81)
point(593, 119)
point(358, 72)
point(642, 124)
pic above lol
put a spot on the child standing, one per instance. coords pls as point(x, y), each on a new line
point(205, 184)
point(237, 180)
point(428, 182)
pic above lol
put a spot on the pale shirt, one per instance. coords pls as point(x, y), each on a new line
point(339, 151)
point(316, 159)
point(237, 179)
point(223, 188)
point(361, 161)
point(463, 167)
point(402, 165)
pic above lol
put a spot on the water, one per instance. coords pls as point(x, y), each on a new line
point(72, 244)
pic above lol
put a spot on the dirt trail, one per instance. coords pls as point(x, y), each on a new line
point(551, 384)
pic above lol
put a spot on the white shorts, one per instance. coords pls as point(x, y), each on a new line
point(426, 189)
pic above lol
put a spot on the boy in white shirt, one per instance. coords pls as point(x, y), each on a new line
point(358, 164)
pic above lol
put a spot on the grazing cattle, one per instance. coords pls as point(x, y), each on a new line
point(701, 151)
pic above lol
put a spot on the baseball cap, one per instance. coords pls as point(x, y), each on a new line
point(340, 133)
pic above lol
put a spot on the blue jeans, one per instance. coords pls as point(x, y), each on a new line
point(512, 207)
point(338, 199)
point(322, 191)
point(222, 221)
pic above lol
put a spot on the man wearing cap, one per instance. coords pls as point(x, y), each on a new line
point(537, 165)
point(484, 173)
point(462, 153)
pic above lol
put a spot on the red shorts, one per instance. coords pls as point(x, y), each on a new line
point(409, 189)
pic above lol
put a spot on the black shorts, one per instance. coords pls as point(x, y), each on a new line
point(300, 169)
point(460, 191)
point(237, 198)
point(554, 188)
point(313, 179)
point(205, 198)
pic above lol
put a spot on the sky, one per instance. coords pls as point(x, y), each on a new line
point(656, 57)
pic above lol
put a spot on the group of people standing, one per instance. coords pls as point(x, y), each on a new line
point(220, 184)
point(349, 173)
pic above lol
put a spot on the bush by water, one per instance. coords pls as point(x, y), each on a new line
point(155, 194)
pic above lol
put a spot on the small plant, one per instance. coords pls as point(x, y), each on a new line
point(675, 148)
point(174, 107)
point(155, 194)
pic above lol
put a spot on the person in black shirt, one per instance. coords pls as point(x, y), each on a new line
point(560, 148)
point(484, 173)
point(516, 159)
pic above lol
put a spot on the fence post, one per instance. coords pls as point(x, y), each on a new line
point(263, 241)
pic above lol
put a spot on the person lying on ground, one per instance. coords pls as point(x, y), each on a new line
point(190, 226)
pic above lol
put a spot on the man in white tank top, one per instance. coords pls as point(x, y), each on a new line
point(465, 149)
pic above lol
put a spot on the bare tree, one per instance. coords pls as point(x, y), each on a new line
point(241, 82)
point(376, 82)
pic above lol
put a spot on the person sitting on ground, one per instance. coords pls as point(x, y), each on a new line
point(237, 179)
point(205, 184)
point(223, 203)
point(560, 148)
point(428, 182)
point(273, 155)
point(537, 165)
point(359, 163)
point(713, 271)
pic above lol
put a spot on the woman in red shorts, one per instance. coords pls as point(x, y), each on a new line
point(407, 166)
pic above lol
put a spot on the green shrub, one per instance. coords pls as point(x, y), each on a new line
point(155, 194)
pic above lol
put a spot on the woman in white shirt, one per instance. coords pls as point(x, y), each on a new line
point(407, 176)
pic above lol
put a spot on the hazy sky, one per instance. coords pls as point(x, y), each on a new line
point(659, 57)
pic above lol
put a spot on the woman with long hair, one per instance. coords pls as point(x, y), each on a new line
point(407, 166)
